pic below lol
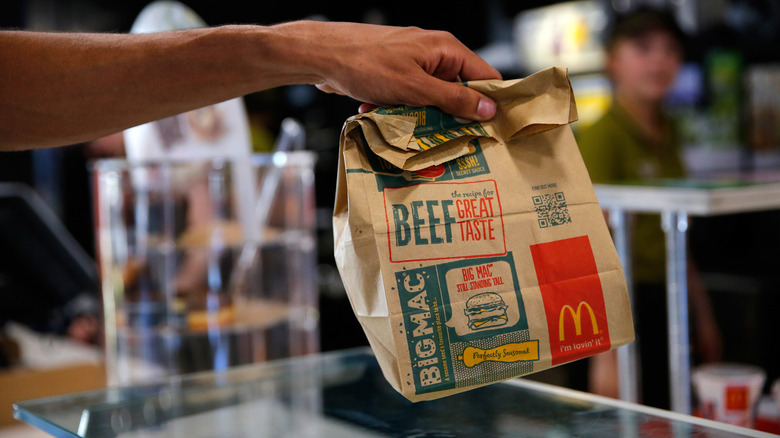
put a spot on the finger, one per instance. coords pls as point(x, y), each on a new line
point(328, 89)
point(366, 107)
point(475, 68)
point(468, 65)
point(455, 60)
point(324, 87)
point(458, 100)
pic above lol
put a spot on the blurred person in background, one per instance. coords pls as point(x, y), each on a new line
point(636, 140)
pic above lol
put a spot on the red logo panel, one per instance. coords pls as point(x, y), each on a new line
point(737, 398)
point(573, 298)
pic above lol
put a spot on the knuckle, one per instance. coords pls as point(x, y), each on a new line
point(437, 36)
point(459, 95)
point(446, 37)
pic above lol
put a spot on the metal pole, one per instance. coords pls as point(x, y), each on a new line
point(628, 369)
point(675, 225)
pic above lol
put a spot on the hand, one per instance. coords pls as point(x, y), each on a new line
point(366, 107)
point(383, 65)
point(709, 340)
point(110, 146)
point(84, 328)
point(709, 343)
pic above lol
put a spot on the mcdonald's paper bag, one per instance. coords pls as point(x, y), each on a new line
point(476, 252)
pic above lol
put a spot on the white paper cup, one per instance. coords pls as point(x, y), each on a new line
point(728, 392)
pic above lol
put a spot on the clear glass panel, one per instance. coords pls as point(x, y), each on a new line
point(198, 276)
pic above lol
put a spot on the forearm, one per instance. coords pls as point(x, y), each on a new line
point(701, 307)
point(709, 339)
point(67, 88)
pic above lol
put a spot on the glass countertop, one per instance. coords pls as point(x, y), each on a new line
point(344, 394)
point(698, 198)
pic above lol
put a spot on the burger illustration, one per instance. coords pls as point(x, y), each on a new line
point(486, 310)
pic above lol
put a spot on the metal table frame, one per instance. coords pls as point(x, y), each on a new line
point(675, 204)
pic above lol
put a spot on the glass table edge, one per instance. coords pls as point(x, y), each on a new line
point(22, 404)
point(42, 424)
point(635, 407)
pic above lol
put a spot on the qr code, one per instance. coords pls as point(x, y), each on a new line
point(551, 209)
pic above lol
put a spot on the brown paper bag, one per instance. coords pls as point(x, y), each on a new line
point(476, 252)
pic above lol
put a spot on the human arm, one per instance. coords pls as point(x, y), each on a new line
point(64, 88)
point(709, 340)
point(603, 374)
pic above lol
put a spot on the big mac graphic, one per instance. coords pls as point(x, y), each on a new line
point(485, 310)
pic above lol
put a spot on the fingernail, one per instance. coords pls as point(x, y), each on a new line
point(486, 108)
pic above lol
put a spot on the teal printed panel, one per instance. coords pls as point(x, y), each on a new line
point(434, 127)
point(421, 301)
point(387, 175)
point(465, 323)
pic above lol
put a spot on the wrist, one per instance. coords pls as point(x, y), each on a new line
point(292, 50)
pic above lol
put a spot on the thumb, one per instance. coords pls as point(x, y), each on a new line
point(459, 100)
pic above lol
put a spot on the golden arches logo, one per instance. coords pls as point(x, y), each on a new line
point(737, 397)
point(576, 316)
